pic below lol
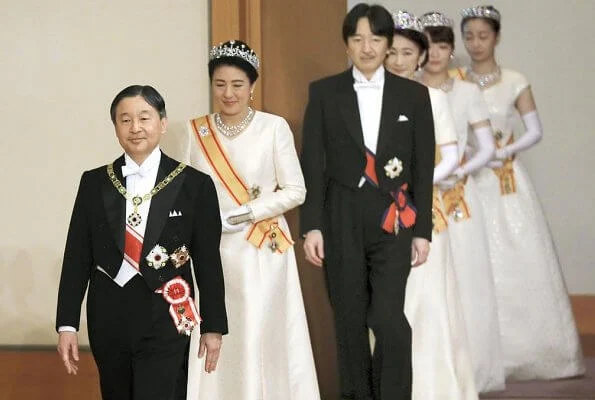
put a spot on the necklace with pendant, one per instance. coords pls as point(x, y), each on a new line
point(134, 218)
point(484, 80)
point(234, 130)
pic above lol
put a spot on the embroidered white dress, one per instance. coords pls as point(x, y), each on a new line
point(441, 365)
point(267, 354)
point(470, 252)
point(537, 329)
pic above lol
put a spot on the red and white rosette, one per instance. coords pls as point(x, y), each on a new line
point(182, 309)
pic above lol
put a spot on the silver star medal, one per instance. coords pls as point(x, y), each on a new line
point(157, 257)
point(203, 130)
point(393, 168)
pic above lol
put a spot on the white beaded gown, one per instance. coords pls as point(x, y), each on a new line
point(537, 329)
point(441, 364)
point(470, 249)
point(267, 354)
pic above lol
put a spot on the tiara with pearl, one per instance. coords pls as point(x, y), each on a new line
point(406, 20)
point(235, 49)
point(488, 12)
point(434, 18)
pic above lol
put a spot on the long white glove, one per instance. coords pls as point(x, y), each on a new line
point(533, 134)
point(494, 164)
point(450, 159)
point(226, 227)
point(483, 154)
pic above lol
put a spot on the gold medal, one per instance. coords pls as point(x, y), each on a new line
point(273, 237)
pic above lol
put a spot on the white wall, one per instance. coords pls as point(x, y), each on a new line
point(550, 42)
point(61, 64)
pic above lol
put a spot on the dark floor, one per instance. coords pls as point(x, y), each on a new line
point(580, 388)
point(40, 375)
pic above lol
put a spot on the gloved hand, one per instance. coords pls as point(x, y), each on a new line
point(495, 164)
point(502, 154)
point(226, 227)
point(448, 183)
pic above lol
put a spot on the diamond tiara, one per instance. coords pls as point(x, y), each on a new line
point(435, 18)
point(481, 12)
point(405, 20)
point(233, 49)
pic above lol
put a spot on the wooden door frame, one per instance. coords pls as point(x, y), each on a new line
point(238, 19)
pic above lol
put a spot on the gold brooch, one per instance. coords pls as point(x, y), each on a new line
point(180, 256)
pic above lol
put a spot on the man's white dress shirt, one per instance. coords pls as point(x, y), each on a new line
point(369, 101)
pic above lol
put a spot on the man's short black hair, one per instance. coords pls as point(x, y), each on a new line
point(149, 93)
point(381, 22)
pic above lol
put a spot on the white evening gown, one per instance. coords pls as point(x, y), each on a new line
point(470, 250)
point(441, 365)
point(267, 354)
point(537, 329)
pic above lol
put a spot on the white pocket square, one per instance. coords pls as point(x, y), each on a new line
point(403, 118)
point(174, 213)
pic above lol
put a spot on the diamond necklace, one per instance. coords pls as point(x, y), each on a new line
point(234, 130)
point(484, 80)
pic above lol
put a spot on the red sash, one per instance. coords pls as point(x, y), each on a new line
point(401, 213)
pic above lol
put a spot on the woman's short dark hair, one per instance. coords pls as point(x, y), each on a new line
point(234, 61)
point(495, 25)
point(441, 34)
point(149, 93)
point(381, 22)
point(418, 38)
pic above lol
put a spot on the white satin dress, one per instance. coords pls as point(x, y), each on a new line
point(470, 251)
point(537, 329)
point(441, 364)
point(267, 354)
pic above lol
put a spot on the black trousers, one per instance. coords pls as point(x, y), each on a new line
point(367, 270)
point(138, 351)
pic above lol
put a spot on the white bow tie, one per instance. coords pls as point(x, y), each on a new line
point(128, 170)
point(367, 85)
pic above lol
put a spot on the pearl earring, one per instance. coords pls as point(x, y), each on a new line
point(251, 95)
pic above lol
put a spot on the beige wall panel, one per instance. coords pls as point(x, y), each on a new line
point(62, 63)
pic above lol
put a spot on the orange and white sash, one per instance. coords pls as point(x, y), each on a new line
point(454, 201)
point(237, 189)
point(505, 173)
point(457, 73)
point(439, 222)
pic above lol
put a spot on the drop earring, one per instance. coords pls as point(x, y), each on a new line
point(251, 96)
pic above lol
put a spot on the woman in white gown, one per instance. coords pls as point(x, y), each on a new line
point(441, 364)
point(537, 329)
point(468, 240)
point(252, 159)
